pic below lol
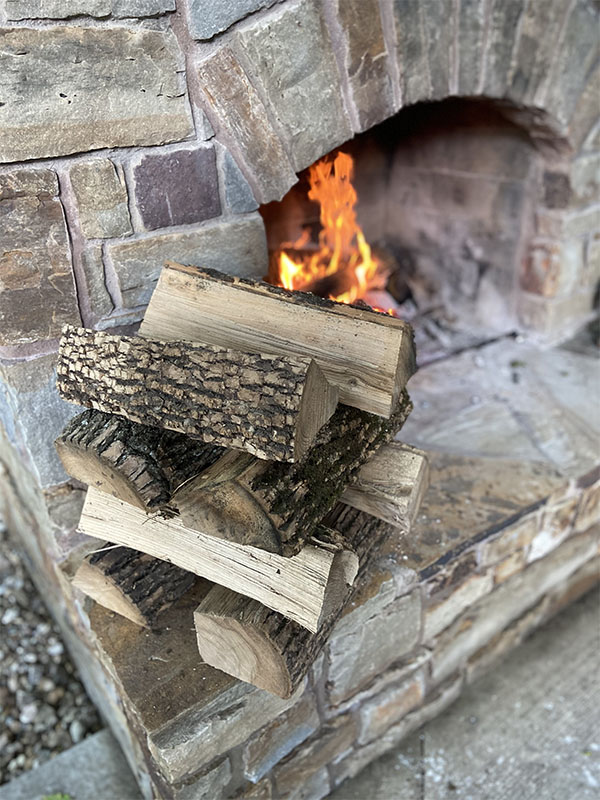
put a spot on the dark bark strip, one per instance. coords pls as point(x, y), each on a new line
point(146, 584)
point(150, 462)
point(298, 496)
point(270, 406)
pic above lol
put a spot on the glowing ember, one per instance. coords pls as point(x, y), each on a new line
point(343, 267)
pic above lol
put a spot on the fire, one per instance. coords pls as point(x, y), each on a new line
point(343, 267)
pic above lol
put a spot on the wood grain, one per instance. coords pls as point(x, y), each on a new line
point(298, 587)
point(369, 356)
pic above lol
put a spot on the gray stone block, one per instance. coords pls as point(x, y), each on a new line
point(440, 45)
point(411, 51)
point(504, 22)
point(74, 89)
point(206, 733)
point(99, 187)
point(59, 9)
point(208, 786)
point(177, 188)
point(366, 60)
point(579, 51)
point(268, 746)
point(471, 25)
point(238, 193)
point(237, 247)
point(536, 50)
point(366, 641)
point(244, 124)
point(100, 301)
point(37, 290)
point(290, 54)
point(209, 17)
point(33, 414)
point(584, 127)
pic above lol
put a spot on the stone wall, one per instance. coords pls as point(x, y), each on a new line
point(132, 131)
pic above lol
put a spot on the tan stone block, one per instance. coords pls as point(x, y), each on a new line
point(263, 790)
point(588, 513)
point(101, 194)
point(516, 537)
point(440, 615)
point(507, 602)
point(556, 525)
point(383, 711)
point(510, 566)
point(268, 746)
point(505, 641)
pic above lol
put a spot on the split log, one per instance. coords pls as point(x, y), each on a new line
point(255, 644)
point(277, 506)
point(368, 355)
point(137, 463)
point(302, 588)
point(132, 584)
point(391, 485)
point(268, 405)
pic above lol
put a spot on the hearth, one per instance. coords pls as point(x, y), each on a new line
point(474, 135)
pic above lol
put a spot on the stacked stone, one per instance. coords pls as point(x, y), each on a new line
point(115, 109)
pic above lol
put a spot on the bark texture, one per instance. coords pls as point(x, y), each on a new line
point(148, 584)
point(298, 496)
point(249, 641)
point(149, 463)
point(222, 396)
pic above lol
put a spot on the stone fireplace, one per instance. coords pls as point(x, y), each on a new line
point(135, 131)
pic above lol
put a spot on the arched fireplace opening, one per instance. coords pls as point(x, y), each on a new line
point(450, 197)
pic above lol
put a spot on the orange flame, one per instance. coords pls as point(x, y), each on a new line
point(343, 250)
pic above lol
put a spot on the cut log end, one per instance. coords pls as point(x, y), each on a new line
point(243, 652)
point(105, 592)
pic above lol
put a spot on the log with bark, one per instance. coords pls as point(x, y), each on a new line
point(224, 493)
point(255, 644)
point(277, 506)
point(267, 405)
point(137, 463)
point(391, 485)
point(145, 466)
point(132, 584)
point(302, 588)
point(368, 355)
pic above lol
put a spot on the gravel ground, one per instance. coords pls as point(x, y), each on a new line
point(43, 706)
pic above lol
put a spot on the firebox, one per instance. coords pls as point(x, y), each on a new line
point(431, 216)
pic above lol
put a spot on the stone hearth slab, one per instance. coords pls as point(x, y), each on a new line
point(485, 517)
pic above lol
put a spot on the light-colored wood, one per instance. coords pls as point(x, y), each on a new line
point(297, 587)
point(97, 586)
point(249, 641)
point(391, 485)
point(369, 356)
point(269, 406)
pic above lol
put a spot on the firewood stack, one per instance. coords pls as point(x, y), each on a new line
point(244, 436)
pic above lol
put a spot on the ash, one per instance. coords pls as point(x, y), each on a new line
point(43, 706)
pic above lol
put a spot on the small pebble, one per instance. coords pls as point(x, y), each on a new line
point(43, 706)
